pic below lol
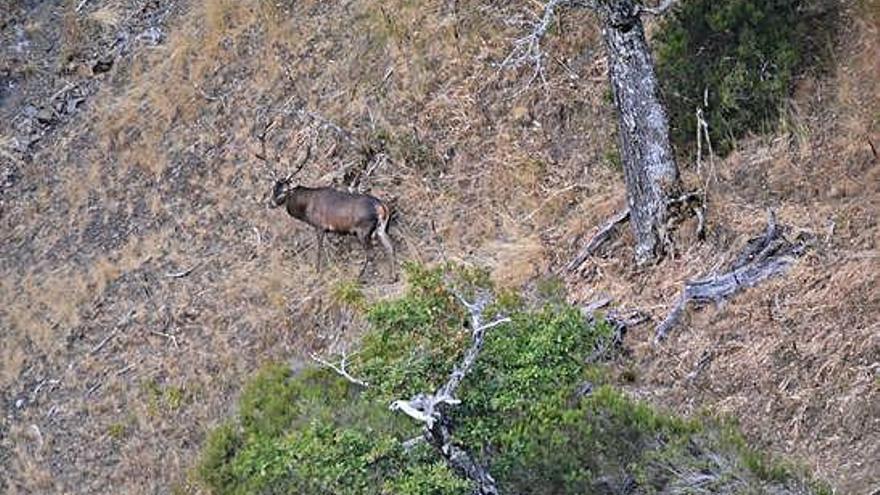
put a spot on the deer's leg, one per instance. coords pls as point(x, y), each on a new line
point(320, 234)
point(368, 251)
point(389, 248)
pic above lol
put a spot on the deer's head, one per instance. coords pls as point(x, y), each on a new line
point(281, 186)
point(279, 192)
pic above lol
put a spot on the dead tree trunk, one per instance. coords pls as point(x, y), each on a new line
point(649, 167)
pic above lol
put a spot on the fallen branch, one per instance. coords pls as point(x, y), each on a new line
point(604, 235)
point(660, 9)
point(104, 342)
point(125, 320)
point(183, 273)
point(429, 408)
point(589, 311)
point(619, 322)
point(94, 388)
point(168, 336)
point(125, 370)
point(763, 257)
point(340, 370)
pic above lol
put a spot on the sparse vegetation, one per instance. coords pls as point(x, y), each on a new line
point(116, 431)
point(350, 294)
point(525, 413)
point(111, 373)
point(164, 398)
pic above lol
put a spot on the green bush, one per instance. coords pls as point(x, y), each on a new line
point(746, 53)
point(533, 411)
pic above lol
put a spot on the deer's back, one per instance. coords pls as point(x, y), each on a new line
point(334, 210)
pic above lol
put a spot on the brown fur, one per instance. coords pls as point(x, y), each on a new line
point(329, 210)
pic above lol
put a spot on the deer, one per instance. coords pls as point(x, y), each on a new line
point(330, 210)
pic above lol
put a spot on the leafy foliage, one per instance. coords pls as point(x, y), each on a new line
point(743, 55)
point(543, 420)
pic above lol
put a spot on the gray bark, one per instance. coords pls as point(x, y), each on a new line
point(649, 167)
point(430, 409)
point(763, 257)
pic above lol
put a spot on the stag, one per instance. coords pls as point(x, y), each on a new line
point(330, 210)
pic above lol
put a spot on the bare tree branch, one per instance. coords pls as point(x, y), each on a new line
point(620, 323)
point(340, 370)
point(527, 50)
point(429, 408)
point(182, 273)
point(660, 9)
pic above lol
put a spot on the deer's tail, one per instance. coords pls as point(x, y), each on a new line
point(384, 214)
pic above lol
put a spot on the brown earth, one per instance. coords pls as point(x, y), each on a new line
point(112, 178)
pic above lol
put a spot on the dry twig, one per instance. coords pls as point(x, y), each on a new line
point(105, 341)
point(183, 273)
point(527, 50)
point(340, 370)
point(168, 336)
point(601, 237)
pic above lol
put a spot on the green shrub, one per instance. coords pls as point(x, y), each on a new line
point(532, 410)
point(746, 53)
point(218, 454)
point(349, 294)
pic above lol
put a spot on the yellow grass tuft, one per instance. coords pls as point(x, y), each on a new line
point(515, 262)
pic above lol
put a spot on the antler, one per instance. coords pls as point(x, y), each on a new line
point(302, 163)
point(263, 156)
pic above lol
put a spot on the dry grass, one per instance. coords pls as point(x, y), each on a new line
point(178, 134)
point(158, 176)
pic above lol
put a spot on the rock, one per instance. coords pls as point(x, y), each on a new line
point(102, 66)
point(46, 116)
point(584, 390)
point(153, 36)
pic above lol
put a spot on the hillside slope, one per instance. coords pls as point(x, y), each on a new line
point(115, 175)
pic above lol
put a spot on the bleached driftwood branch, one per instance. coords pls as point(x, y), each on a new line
point(763, 257)
point(429, 409)
point(340, 370)
point(660, 9)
